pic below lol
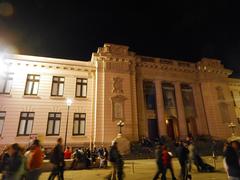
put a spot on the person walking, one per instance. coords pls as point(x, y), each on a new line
point(57, 159)
point(231, 163)
point(182, 154)
point(34, 161)
point(117, 162)
point(158, 155)
point(15, 163)
point(4, 161)
point(167, 163)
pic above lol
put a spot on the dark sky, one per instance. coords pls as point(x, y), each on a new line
point(181, 29)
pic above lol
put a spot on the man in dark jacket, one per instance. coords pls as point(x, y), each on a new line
point(117, 162)
point(57, 159)
point(182, 153)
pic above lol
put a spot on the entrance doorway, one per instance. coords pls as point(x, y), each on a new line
point(191, 126)
point(152, 129)
point(172, 128)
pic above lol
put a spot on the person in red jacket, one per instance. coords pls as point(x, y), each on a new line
point(166, 163)
point(34, 161)
point(67, 153)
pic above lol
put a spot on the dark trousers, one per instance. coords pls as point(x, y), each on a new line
point(57, 171)
point(159, 171)
point(185, 170)
point(164, 172)
point(120, 172)
point(33, 174)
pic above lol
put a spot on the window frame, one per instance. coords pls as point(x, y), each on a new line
point(58, 83)
point(33, 81)
point(79, 123)
point(27, 119)
point(54, 120)
point(81, 87)
point(2, 119)
point(6, 77)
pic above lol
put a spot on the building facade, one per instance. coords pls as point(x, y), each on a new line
point(153, 97)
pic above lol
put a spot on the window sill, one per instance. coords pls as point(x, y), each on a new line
point(23, 137)
point(6, 94)
point(31, 96)
point(81, 98)
point(52, 135)
point(79, 136)
point(57, 97)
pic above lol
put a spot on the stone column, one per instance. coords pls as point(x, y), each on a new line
point(182, 125)
point(142, 129)
point(201, 121)
point(162, 128)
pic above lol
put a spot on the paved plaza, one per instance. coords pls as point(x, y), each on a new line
point(143, 170)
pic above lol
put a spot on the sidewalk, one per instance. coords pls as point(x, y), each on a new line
point(143, 170)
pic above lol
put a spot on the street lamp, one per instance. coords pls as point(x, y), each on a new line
point(120, 124)
point(69, 103)
point(232, 126)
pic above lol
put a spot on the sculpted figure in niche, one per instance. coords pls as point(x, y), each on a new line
point(117, 85)
point(220, 93)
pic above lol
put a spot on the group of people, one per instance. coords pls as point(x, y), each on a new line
point(232, 160)
point(98, 157)
point(17, 164)
point(186, 154)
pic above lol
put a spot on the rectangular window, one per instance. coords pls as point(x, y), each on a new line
point(53, 127)
point(81, 87)
point(32, 84)
point(6, 83)
point(57, 86)
point(2, 119)
point(79, 123)
point(25, 123)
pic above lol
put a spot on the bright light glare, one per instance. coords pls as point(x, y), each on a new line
point(3, 65)
point(69, 102)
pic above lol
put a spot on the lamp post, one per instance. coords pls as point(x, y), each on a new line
point(69, 103)
point(120, 124)
point(232, 126)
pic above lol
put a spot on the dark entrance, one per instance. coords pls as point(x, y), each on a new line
point(170, 129)
point(152, 129)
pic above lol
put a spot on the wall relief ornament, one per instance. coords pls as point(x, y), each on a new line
point(118, 107)
point(117, 85)
point(220, 93)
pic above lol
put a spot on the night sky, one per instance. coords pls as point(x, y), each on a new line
point(185, 30)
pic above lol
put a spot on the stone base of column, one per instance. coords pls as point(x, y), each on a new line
point(123, 144)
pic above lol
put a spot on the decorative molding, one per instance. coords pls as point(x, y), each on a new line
point(117, 85)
